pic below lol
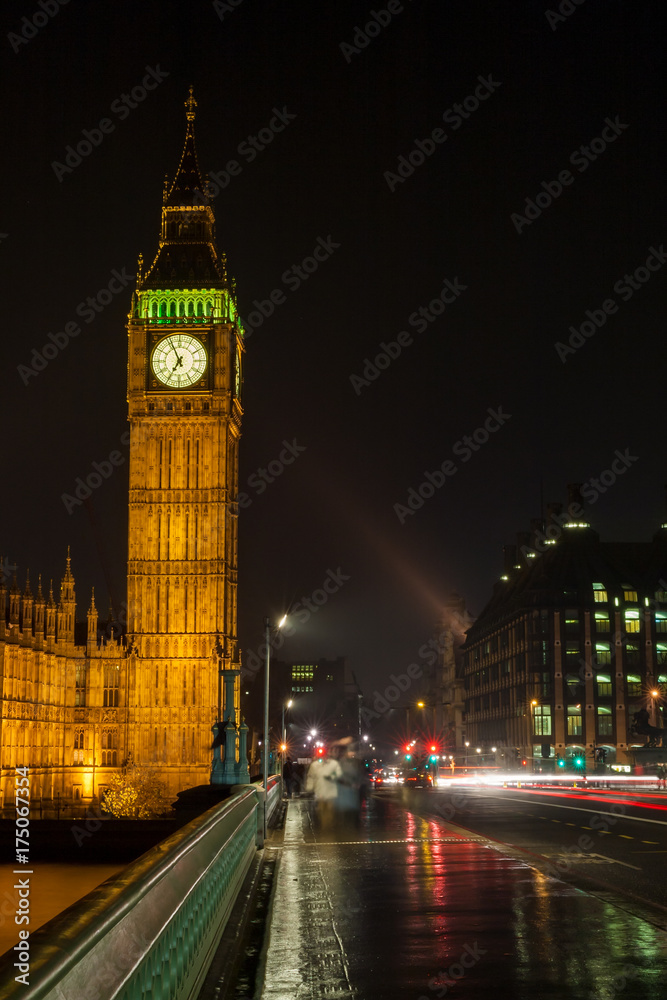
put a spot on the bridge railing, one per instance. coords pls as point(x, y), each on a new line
point(152, 930)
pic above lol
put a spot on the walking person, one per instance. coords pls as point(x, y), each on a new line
point(323, 779)
point(288, 778)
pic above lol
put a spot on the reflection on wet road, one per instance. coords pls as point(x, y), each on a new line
point(402, 908)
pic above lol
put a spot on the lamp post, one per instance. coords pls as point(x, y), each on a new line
point(265, 769)
point(282, 728)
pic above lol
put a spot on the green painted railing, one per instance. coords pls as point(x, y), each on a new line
point(152, 930)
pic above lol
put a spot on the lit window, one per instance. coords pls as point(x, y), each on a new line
point(661, 623)
point(542, 720)
point(634, 685)
point(604, 685)
point(573, 721)
point(661, 653)
point(599, 593)
point(632, 621)
point(602, 652)
point(301, 673)
point(601, 621)
point(629, 595)
point(605, 722)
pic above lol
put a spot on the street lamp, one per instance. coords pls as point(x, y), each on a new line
point(265, 769)
point(282, 728)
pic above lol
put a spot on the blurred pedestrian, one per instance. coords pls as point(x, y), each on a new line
point(348, 802)
point(288, 778)
point(298, 779)
point(323, 779)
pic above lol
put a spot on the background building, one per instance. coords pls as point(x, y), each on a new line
point(572, 643)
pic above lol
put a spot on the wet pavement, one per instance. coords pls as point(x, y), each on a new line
point(402, 907)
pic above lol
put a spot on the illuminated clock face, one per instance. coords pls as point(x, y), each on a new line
point(179, 360)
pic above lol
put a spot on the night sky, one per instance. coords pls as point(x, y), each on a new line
point(350, 106)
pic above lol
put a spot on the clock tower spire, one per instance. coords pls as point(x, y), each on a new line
point(184, 378)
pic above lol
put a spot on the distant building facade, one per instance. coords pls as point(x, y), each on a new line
point(323, 693)
point(571, 645)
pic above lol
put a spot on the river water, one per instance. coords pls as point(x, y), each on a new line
point(53, 887)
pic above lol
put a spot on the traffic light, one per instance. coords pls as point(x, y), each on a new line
point(600, 754)
point(524, 762)
point(559, 761)
point(320, 751)
point(579, 763)
point(517, 753)
point(433, 758)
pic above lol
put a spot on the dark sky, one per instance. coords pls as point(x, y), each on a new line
point(327, 176)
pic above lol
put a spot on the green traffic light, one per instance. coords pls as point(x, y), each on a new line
point(408, 756)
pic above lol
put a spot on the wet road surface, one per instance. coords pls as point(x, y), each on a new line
point(612, 838)
point(403, 908)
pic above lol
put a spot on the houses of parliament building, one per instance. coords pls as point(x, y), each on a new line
point(76, 706)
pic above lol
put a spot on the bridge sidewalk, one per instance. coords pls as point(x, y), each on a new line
point(401, 907)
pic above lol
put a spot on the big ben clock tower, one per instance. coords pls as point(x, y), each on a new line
point(184, 380)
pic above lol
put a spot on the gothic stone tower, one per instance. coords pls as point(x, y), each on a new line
point(184, 383)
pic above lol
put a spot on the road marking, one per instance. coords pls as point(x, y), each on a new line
point(570, 824)
point(608, 832)
point(555, 821)
point(598, 812)
point(650, 842)
point(615, 862)
point(587, 828)
point(625, 836)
